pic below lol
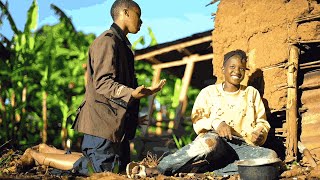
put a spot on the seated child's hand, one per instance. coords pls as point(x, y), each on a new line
point(224, 130)
point(257, 136)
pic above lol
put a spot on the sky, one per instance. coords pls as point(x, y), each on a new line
point(169, 19)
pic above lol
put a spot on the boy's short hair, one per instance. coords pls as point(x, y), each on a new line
point(118, 5)
point(237, 52)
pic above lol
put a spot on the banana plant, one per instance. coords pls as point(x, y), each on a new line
point(64, 84)
point(17, 67)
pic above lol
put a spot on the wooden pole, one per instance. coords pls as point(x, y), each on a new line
point(185, 84)
point(155, 80)
point(307, 18)
point(24, 98)
point(173, 47)
point(184, 61)
point(291, 112)
point(44, 117)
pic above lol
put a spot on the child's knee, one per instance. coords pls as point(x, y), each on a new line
point(212, 142)
point(272, 154)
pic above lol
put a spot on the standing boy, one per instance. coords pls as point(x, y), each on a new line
point(108, 117)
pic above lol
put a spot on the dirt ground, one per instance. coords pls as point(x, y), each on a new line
point(264, 29)
point(9, 169)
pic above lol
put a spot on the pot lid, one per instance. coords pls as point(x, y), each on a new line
point(257, 162)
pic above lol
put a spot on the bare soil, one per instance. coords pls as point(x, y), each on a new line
point(10, 169)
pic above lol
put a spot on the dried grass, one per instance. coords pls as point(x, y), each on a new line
point(151, 160)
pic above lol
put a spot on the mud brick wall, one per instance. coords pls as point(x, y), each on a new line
point(264, 29)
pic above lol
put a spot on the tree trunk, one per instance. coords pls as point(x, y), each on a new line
point(12, 114)
point(3, 114)
point(44, 117)
point(24, 98)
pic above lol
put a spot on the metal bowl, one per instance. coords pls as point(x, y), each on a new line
point(258, 169)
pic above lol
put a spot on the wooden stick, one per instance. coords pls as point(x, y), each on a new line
point(291, 113)
point(310, 63)
point(310, 66)
point(282, 109)
point(185, 51)
point(279, 65)
point(305, 42)
point(5, 143)
point(155, 80)
point(284, 87)
point(153, 60)
point(44, 117)
point(173, 47)
point(307, 18)
point(280, 130)
point(309, 86)
point(185, 84)
point(185, 61)
point(24, 98)
point(281, 85)
point(281, 135)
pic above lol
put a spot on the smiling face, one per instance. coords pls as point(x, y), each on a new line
point(234, 72)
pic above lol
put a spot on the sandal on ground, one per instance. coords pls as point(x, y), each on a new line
point(136, 170)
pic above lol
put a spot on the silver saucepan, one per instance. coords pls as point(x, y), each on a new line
point(259, 169)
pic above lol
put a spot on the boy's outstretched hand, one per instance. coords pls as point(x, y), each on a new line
point(141, 91)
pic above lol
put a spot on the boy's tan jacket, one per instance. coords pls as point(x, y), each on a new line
point(106, 111)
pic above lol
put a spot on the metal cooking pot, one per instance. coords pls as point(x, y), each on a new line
point(259, 169)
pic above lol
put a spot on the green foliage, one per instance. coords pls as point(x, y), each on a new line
point(5, 12)
point(176, 93)
point(32, 17)
point(17, 72)
point(140, 40)
point(177, 141)
point(50, 62)
point(153, 41)
point(168, 96)
point(182, 141)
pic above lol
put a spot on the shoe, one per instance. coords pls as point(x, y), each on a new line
point(136, 170)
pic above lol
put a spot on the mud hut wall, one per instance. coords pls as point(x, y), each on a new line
point(310, 118)
point(263, 29)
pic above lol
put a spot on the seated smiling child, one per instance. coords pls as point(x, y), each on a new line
point(221, 113)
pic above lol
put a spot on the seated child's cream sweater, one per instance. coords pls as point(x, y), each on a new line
point(242, 110)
